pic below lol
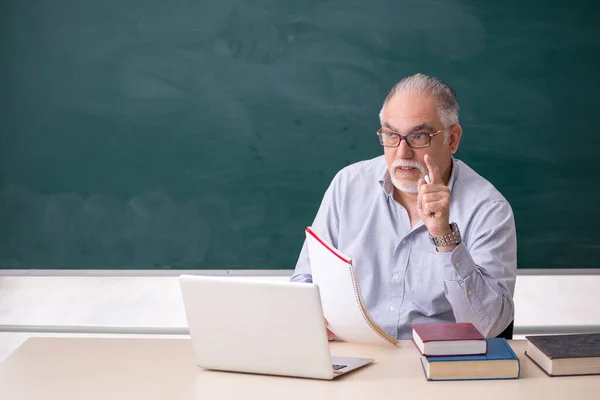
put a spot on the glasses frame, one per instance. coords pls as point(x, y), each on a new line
point(405, 137)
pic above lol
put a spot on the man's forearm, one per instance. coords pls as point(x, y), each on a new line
point(475, 295)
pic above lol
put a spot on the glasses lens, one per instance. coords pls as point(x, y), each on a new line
point(388, 138)
point(418, 139)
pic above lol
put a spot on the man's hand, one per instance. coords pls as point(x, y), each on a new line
point(433, 201)
point(330, 334)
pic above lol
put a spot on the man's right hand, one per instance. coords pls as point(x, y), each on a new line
point(330, 334)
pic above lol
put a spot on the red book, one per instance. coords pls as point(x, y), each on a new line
point(449, 339)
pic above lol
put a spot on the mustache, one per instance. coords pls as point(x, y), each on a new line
point(409, 163)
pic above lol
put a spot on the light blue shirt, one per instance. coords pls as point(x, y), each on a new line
point(403, 279)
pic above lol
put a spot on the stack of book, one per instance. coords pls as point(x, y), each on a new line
point(458, 351)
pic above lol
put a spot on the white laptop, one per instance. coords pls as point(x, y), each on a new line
point(260, 326)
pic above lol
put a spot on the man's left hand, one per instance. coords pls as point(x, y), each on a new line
point(433, 201)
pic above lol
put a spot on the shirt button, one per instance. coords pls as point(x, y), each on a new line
point(392, 308)
point(396, 277)
point(457, 264)
point(404, 242)
point(469, 292)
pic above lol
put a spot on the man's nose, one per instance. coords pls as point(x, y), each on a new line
point(404, 151)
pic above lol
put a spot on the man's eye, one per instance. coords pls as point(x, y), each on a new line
point(419, 136)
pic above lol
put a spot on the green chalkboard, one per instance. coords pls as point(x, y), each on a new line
point(202, 134)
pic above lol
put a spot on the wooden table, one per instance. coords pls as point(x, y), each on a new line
point(147, 369)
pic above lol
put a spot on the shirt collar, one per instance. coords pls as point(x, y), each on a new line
point(388, 186)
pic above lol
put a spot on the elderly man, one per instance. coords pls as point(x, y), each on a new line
point(431, 239)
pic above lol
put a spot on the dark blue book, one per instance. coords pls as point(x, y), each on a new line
point(500, 362)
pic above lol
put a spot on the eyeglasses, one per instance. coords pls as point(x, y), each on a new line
point(416, 140)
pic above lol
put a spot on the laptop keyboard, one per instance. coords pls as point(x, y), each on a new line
point(337, 367)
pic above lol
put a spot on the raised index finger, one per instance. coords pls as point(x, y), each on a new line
point(434, 171)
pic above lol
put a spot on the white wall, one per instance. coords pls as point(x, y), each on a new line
point(43, 305)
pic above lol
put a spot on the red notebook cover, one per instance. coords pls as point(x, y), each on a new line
point(447, 332)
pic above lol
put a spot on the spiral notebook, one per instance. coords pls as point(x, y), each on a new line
point(341, 298)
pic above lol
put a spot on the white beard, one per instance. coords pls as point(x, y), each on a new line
point(408, 187)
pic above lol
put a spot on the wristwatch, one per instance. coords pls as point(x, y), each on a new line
point(446, 240)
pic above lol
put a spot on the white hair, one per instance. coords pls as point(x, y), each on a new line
point(422, 84)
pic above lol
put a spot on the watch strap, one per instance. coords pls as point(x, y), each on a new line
point(449, 239)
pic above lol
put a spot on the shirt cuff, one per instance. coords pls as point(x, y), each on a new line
point(302, 278)
point(459, 264)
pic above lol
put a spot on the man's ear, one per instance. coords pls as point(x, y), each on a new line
point(454, 139)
